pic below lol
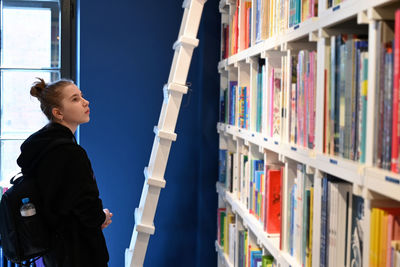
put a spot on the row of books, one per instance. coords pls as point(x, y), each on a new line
point(256, 184)
point(384, 236)
point(272, 17)
point(346, 85)
point(275, 102)
point(235, 104)
point(300, 217)
point(231, 239)
point(342, 213)
point(301, 115)
point(237, 34)
point(387, 138)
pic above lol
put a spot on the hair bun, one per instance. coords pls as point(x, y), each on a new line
point(38, 87)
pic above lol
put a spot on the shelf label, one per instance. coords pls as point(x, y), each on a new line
point(252, 135)
point(293, 148)
point(276, 143)
point(265, 139)
point(392, 180)
point(336, 8)
point(296, 27)
point(240, 130)
point(333, 161)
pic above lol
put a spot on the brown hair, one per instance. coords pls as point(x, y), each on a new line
point(49, 94)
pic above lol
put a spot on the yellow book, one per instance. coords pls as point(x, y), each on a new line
point(372, 246)
point(378, 236)
point(264, 19)
point(309, 245)
point(271, 17)
point(383, 238)
point(226, 233)
point(230, 218)
point(305, 7)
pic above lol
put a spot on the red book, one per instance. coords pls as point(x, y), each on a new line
point(273, 205)
point(248, 10)
point(236, 29)
point(396, 84)
point(281, 199)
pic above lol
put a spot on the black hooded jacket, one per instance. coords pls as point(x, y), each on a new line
point(70, 198)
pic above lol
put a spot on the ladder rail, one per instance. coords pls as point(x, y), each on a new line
point(164, 133)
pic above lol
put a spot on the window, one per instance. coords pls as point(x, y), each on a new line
point(36, 41)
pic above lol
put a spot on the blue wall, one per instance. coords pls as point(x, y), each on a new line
point(125, 59)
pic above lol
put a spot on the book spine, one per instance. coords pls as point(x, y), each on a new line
point(396, 96)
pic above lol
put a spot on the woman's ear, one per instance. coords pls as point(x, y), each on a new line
point(57, 114)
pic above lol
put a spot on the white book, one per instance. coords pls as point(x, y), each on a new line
point(299, 215)
point(330, 212)
point(241, 179)
point(228, 179)
point(236, 175)
point(397, 253)
point(296, 233)
point(344, 225)
point(265, 125)
point(247, 179)
point(232, 235)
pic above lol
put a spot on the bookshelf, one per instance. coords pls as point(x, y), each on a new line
point(348, 162)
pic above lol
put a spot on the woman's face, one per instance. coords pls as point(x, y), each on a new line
point(74, 107)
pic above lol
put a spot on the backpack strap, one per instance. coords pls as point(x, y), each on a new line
point(46, 150)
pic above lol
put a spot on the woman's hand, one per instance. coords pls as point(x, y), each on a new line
point(108, 220)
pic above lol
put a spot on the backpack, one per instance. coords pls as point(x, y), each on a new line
point(25, 239)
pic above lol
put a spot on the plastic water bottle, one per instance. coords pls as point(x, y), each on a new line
point(27, 209)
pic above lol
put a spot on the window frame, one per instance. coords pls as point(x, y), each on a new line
point(68, 50)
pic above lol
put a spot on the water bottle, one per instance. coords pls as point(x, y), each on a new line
point(27, 208)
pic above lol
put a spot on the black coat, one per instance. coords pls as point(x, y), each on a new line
point(70, 198)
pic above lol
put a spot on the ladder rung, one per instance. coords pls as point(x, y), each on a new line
point(186, 3)
point(175, 87)
point(147, 229)
point(154, 181)
point(183, 40)
point(164, 134)
point(140, 227)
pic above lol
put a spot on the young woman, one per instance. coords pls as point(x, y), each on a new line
point(65, 179)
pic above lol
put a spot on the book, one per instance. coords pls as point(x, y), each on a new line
point(221, 222)
point(222, 166)
point(396, 96)
point(357, 231)
point(273, 204)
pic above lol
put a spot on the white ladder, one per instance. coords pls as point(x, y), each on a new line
point(164, 133)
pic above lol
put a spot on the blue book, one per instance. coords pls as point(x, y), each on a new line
point(258, 21)
point(255, 256)
point(324, 206)
point(357, 231)
point(222, 166)
point(292, 204)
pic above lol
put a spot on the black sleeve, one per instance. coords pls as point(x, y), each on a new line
point(68, 187)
